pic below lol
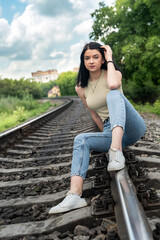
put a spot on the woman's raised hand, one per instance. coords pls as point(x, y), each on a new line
point(107, 52)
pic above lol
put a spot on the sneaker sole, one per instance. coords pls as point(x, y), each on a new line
point(115, 169)
point(66, 209)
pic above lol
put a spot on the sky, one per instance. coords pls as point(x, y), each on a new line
point(43, 34)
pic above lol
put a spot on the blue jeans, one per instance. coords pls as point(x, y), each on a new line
point(121, 113)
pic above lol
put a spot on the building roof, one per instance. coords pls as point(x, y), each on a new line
point(47, 72)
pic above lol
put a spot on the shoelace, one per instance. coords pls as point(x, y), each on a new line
point(114, 158)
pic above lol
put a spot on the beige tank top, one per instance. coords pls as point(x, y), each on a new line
point(96, 93)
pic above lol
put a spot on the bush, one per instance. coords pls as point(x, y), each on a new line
point(66, 82)
point(157, 107)
point(141, 92)
point(20, 88)
point(20, 114)
point(12, 111)
point(9, 104)
point(28, 103)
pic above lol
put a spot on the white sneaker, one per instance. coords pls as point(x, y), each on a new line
point(116, 160)
point(70, 202)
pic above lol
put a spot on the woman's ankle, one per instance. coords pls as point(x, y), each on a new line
point(76, 192)
point(116, 147)
point(76, 185)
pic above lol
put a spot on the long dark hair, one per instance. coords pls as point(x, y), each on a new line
point(83, 74)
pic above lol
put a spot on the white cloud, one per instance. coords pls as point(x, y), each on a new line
point(52, 7)
point(4, 30)
point(57, 54)
point(73, 58)
point(78, 4)
point(29, 42)
point(33, 32)
point(84, 27)
point(44, 36)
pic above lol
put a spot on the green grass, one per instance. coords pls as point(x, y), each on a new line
point(148, 108)
point(14, 111)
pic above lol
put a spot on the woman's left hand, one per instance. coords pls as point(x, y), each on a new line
point(107, 52)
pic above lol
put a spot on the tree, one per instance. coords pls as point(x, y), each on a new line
point(67, 81)
point(19, 88)
point(45, 87)
point(132, 29)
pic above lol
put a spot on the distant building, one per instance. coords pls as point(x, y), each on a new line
point(54, 92)
point(76, 69)
point(45, 76)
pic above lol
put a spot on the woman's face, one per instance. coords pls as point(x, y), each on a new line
point(93, 60)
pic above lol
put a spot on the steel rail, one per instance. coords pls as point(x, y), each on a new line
point(135, 219)
point(9, 134)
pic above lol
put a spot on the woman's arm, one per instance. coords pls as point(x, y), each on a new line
point(97, 120)
point(95, 116)
point(114, 77)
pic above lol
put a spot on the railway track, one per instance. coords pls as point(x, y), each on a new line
point(35, 175)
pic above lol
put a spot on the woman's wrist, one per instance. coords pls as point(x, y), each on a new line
point(109, 61)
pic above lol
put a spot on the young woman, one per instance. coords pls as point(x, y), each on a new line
point(100, 88)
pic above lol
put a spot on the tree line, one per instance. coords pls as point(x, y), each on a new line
point(19, 88)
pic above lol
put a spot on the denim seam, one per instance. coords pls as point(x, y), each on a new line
point(77, 174)
point(122, 109)
point(81, 159)
point(117, 125)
